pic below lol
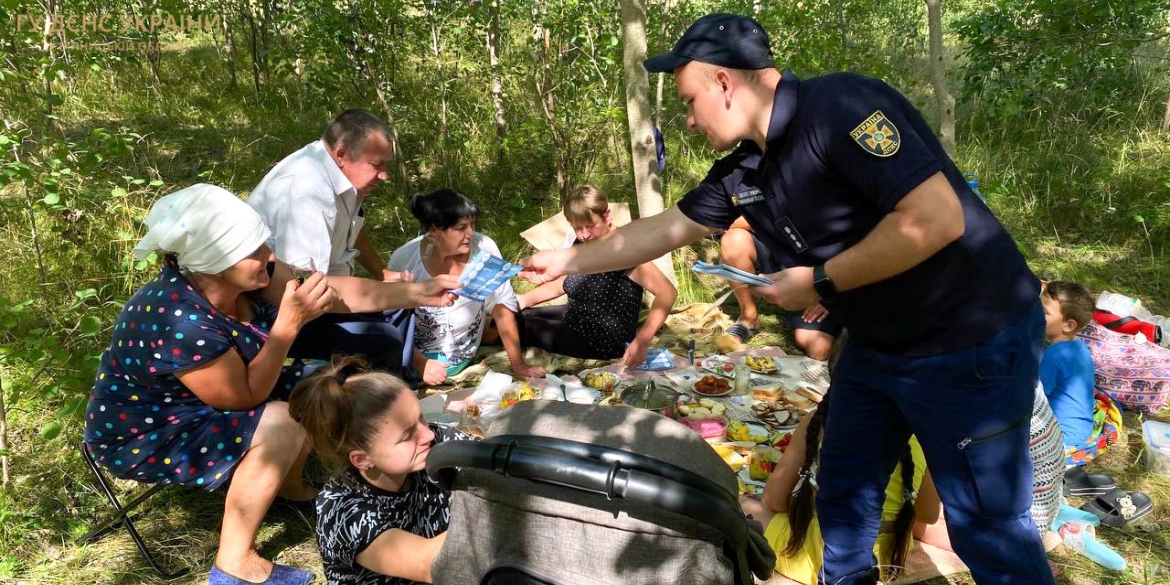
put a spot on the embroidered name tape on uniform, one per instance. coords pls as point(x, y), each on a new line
point(877, 135)
point(747, 197)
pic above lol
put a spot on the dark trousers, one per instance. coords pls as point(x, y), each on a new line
point(544, 327)
point(970, 410)
point(386, 339)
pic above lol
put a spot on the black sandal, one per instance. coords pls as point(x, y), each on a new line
point(1120, 508)
point(1077, 482)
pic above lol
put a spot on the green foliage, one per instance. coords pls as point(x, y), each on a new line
point(1023, 54)
point(1060, 106)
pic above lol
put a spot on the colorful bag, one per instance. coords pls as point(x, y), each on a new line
point(1106, 426)
point(1136, 375)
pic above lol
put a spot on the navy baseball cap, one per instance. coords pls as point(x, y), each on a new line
point(727, 40)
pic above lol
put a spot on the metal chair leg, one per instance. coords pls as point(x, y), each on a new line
point(122, 517)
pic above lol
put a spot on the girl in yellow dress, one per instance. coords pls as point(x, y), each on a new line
point(788, 508)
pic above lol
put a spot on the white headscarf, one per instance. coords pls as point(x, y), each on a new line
point(209, 229)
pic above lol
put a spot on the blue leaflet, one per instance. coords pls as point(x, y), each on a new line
point(483, 275)
point(730, 273)
point(657, 358)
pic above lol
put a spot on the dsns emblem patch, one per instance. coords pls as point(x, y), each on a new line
point(877, 135)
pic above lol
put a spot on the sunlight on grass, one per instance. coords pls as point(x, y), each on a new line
point(1070, 200)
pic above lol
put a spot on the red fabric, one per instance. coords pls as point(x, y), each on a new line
point(1133, 327)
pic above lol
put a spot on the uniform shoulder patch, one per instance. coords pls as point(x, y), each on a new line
point(877, 135)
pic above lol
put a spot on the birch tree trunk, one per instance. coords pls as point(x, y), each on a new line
point(229, 44)
point(437, 52)
point(542, 54)
point(642, 151)
point(497, 86)
point(944, 103)
point(265, 49)
point(246, 12)
point(391, 126)
point(3, 440)
point(666, 8)
point(1166, 116)
point(841, 29)
point(47, 49)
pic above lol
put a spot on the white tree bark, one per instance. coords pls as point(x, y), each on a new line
point(3, 441)
point(642, 150)
point(841, 28)
point(229, 44)
point(944, 103)
point(391, 126)
point(1166, 116)
point(666, 8)
point(494, 65)
point(443, 82)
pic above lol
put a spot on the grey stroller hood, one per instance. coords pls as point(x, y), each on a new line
point(567, 494)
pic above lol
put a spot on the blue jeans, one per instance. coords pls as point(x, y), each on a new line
point(970, 410)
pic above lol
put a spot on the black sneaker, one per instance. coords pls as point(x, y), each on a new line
point(1077, 482)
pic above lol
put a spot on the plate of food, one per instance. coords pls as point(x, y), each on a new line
point(747, 432)
point(705, 408)
point(720, 365)
point(775, 416)
point(733, 459)
point(600, 380)
point(760, 364)
point(711, 429)
point(712, 386)
point(516, 393)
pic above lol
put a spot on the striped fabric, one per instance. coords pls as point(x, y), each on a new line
point(1047, 451)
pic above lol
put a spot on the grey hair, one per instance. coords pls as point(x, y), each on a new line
point(351, 128)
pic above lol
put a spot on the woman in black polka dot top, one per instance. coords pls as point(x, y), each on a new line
point(600, 320)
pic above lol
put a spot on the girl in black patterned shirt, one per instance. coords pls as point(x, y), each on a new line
point(380, 520)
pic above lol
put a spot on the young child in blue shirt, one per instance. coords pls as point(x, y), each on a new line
point(1066, 369)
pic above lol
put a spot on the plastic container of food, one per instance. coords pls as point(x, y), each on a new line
point(1157, 438)
point(708, 428)
point(763, 462)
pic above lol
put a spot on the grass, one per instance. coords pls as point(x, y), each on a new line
point(1055, 197)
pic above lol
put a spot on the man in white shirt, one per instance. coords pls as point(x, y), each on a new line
point(312, 203)
point(312, 200)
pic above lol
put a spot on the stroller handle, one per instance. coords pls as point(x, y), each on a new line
point(599, 470)
point(627, 459)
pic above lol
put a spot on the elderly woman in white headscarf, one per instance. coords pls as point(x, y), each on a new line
point(192, 387)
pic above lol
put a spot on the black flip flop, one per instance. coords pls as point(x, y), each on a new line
point(1119, 508)
point(1077, 482)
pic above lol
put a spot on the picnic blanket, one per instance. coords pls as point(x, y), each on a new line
point(688, 323)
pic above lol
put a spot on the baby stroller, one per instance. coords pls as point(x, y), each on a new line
point(565, 494)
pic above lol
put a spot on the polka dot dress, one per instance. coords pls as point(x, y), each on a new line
point(141, 422)
point(603, 309)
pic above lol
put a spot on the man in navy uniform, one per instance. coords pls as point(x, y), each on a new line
point(847, 186)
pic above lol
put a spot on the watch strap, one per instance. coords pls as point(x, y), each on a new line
point(824, 285)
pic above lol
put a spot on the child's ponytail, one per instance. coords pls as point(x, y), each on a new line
point(340, 406)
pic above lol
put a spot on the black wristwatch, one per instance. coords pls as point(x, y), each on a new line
point(823, 284)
